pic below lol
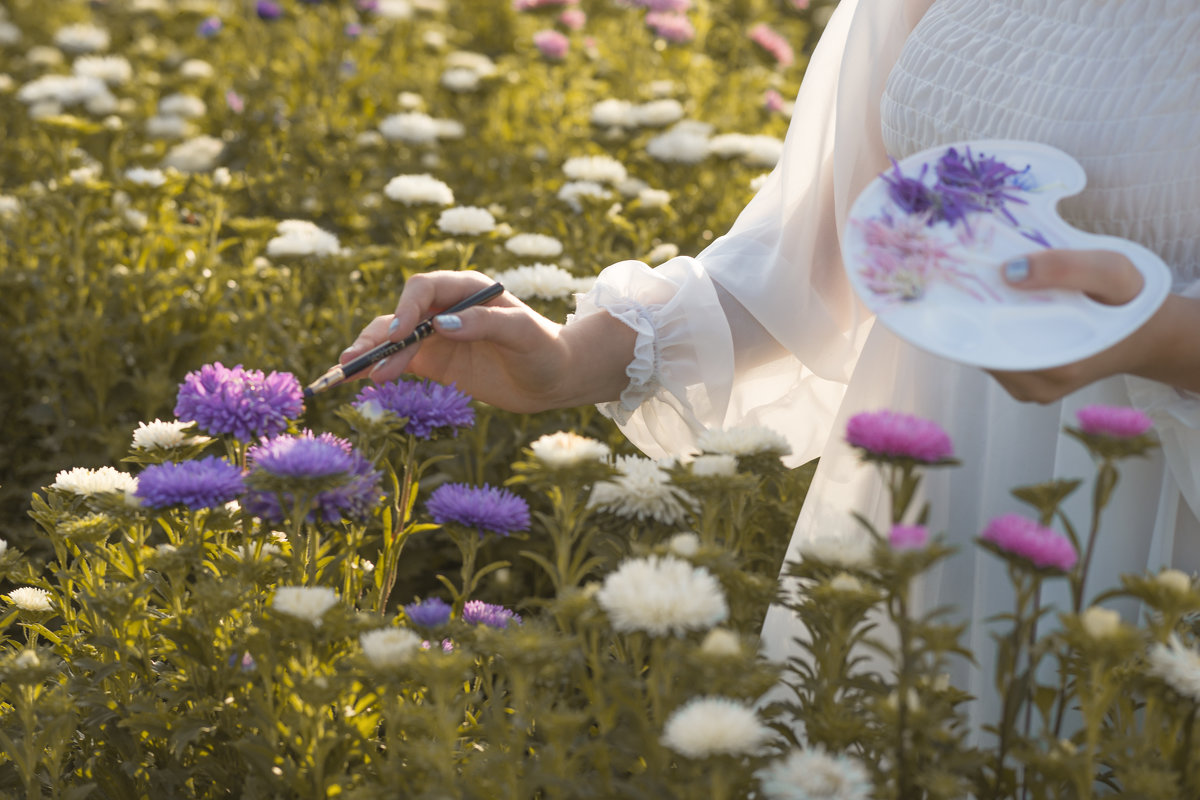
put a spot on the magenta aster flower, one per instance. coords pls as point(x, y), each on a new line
point(347, 485)
point(896, 435)
point(1023, 537)
point(428, 406)
point(908, 537)
point(1120, 422)
point(204, 483)
point(482, 507)
point(242, 403)
point(428, 613)
point(477, 612)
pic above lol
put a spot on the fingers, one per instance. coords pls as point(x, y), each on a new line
point(1105, 276)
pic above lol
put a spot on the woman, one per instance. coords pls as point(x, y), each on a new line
point(763, 328)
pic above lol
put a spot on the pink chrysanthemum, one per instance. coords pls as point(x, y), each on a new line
point(891, 433)
point(1121, 422)
point(1037, 544)
point(908, 537)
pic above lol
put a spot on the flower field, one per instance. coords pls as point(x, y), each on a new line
point(211, 587)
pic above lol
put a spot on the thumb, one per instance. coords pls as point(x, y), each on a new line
point(1105, 276)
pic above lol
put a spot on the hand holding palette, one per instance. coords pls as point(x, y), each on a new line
point(926, 241)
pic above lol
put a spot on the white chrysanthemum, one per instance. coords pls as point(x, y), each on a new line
point(304, 602)
point(678, 147)
point(572, 191)
point(9, 34)
point(852, 551)
point(763, 151)
point(160, 435)
point(393, 9)
point(86, 482)
point(534, 245)
point(478, 63)
point(66, 90)
point(598, 169)
point(1100, 623)
point(1172, 580)
point(685, 544)
point(298, 237)
point(729, 145)
point(566, 449)
point(82, 38)
point(199, 154)
point(196, 69)
point(466, 221)
point(542, 281)
point(743, 440)
point(182, 105)
point(460, 79)
point(1178, 665)
point(410, 127)
point(388, 648)
point(9, 206)
point(662, 596)
point(715, 465)
point(168, 126)
point(642, 490)
point(812, 774)
point(113, 70)
point(709, 726)
point(658, 113)
point(654, 198)
point(613, 113)
point(721, 642)
point(415, 190)
point(30, 598)
point(759, 181)
point(145, 177)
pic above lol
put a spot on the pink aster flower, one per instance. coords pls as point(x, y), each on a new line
point(670, 26)
point(908, 537)
point(551, 44)
point(800, 5)
point(1120, 422)
point(773, 43)
point(773, 101)
point(573, 19)
point(891, 433)
point(1024, 537)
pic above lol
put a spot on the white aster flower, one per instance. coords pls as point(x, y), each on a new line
point(45, 109)
point(662, 252)
point(304, 602)
point(598, 169)
point(196, 69)
point(812, 774)
point(613, 113)
point(743, 440)
point(763, 151)
point(393, 9)
point(268, 550)
point(3, 548)
point(460, 79)
point(298, 237)
point(571, 192)
point(30, 598)
point(410, 127)
point(199, 154)
point(851, 551)
point(1173, 580)
point(88, 172)
point(664, 87)
point(168, 126)
point(466, 221)
point(160, 435)
point(534, 245)
point(221, 177)
point(708, 726)
point(113, 70)
point(450, 129)
point(9, 34)
point(662, 596)
point(419, 189)
point(567, 449)
point(181, 105)
point(542, 281)
point(715, 465)
point(1100, 623)
point(145, 177)
point(642, 490)
point(410, 101)
point(388, 648)
point(478, 63)
point(658, 113)
point(685, 544)
point(82, 38)
point(66, 90)
point(679, 147)
point(44, 55)
point(102, 104)
point(7, 84)
point(27, 659)
point(759, 181)
point(1178, 665)
point(632, 187)
point(721, 642)
point(434, 39)
point(654, 198)
point(10, 206)
point(729, 145)
point(845, 582)
point(86, 482)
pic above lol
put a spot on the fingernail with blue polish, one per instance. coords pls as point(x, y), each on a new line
point(449, 322)
point(1016, 270)
point(379, 366)
point(392, 328)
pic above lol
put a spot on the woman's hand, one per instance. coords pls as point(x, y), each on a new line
point(503, 353)
point(1166, 348)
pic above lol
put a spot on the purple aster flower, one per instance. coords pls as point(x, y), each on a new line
point(911, 194)
point(1027, 539)
point(892, 434)
point(209, 27)
point(268, 10)
point(975, 184)
point(426, 405)
point(482, 507)
point(240, 402)
point(353, 30)
point(204, 483)
point(1119, 422)
point(428, 613)
point(348, 486)
point(477, 612)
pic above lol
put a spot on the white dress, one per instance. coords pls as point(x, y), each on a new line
point(762, 327)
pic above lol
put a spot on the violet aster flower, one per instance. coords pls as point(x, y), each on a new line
point(240, 402)
point(1120, 422)
point(428, 613)
point(347, 486)
point(911, 194)
point(891, 434)
point(1026, 539)
point(477, 612)
point(209, 27)
point(204, 483)
point(482, 507)
point(268, 10)
point(428, 406)
point(975, 184)
point(908, 537)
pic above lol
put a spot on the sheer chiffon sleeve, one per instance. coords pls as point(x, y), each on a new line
point(762, 327)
